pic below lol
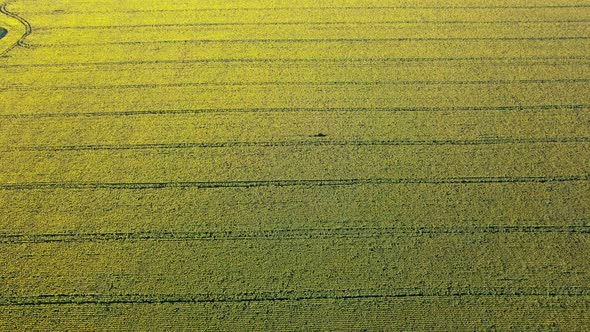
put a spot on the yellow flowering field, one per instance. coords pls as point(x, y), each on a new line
point(348, 165)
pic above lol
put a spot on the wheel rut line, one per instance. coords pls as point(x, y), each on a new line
point(233, 144)
point(286, 234)
point(304, 23)
point(294, 295)
point(318, 40)
point(317, 8)
point(565, 107)
point(286, 183)
point(293, 83)
point(443, 60)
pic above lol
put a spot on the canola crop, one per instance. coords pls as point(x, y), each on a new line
point(294, 165)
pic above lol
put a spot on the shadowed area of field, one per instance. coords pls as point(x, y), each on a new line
point(295, 165)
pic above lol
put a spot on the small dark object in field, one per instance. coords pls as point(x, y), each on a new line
point(3, 32)
point(320, 135)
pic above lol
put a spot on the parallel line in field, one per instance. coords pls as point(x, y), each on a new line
point(318, 8)
point(234, 144)
point(292, 295)
point(565, 107)
point(286, 183)
point(281, 234)
point(288, 83)
point(315, 40)
point(545, 60)
point(303, 23)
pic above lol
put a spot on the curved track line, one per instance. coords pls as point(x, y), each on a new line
point(25, 23)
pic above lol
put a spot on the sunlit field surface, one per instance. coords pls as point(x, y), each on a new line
point(295, 165)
